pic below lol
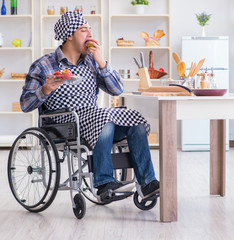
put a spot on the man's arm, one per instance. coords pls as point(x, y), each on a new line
point(109, 81)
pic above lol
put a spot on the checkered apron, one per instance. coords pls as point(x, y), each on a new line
point(82, 99)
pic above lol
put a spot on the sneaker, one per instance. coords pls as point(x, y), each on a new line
point(151, 188)
point(117, 186)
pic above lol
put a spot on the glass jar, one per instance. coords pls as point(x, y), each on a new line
point(50, 10)
point(92, 9)
point(205, 82)
point(79, 8)
point(63, 10)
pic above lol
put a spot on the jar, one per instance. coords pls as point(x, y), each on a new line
point(205, 82)
point(50, 10)
point(63, 10)
point(92, 9)
point(80, 8)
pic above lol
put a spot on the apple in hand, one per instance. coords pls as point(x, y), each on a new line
point(67, 74)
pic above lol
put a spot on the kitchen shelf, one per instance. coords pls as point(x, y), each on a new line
point(15, 48)
point(58, 16)
point(142, 16)
point(12, 80)
point(141, 47)
point(15, 59)
point(16, 16)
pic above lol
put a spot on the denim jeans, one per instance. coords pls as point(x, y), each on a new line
point(139, 150)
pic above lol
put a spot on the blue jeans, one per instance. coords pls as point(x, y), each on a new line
point(139, 149)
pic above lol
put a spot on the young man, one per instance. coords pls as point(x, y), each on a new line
point(98, 126)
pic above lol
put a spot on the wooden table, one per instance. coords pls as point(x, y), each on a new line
point(171, 109)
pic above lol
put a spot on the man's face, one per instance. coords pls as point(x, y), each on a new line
point(79, 38)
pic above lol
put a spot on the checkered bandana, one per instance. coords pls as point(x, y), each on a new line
point(68, 24)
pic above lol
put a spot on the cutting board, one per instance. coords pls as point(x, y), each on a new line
point(166, 94)
point(162, 89)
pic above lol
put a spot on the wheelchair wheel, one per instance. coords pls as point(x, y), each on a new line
point(145, 204)
point(80, 206)
point(34, 170)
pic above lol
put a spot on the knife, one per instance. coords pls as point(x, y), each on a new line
point(137, 62)
point(142, 59)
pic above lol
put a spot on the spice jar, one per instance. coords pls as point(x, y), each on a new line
point(205, 82)
point(92, 9)
point(63, 10)
point(50, 10)
point(80, 8)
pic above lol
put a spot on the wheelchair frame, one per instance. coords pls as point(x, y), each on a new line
point(71, 147)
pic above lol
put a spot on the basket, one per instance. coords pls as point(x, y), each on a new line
point(156, 74)
point(125, 43)
point(18, 75)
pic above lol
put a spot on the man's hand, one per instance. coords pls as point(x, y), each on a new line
point(51, 85)
point(96, 50)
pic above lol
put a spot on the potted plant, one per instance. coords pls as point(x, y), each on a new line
point(139, 5)
point(203, 19)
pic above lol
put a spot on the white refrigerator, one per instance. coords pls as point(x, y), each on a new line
point(195, 134)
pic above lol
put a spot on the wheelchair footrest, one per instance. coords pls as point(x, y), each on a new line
point(111, 196)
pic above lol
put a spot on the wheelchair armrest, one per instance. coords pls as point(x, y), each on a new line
point(50, 112)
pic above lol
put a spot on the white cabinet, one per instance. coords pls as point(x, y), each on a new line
point(124, 23)
point(21, 27)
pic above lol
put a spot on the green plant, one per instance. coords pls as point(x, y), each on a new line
point(203, 18)
point(144, 2)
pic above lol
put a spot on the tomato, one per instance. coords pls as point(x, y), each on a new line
point(161, 69)
point(58, 73)
point(67, 74)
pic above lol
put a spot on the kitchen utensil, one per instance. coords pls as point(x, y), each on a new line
point(176, 57)
point(203, 92)
point(137, 62)
point(154, 73)
point(191, 69)
point(181, 68)
point(198, 67)
point(142, 59)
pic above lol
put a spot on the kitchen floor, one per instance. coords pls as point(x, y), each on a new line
point(200, 216)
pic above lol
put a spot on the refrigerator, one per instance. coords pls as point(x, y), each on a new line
point(195, 134)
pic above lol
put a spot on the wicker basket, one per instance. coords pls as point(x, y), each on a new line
point(125, 43)
point(156, 74)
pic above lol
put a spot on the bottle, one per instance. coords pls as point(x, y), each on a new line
point(13, 7)
point(3, 9)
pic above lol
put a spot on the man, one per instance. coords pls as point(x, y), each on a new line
point(98, 126)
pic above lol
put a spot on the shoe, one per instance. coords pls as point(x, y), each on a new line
point(151, 188)
point(114, 186)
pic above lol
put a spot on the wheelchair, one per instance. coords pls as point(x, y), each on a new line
point(37, 154)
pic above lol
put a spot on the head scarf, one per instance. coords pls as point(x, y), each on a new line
point(68, 23)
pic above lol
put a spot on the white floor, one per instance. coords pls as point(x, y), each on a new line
point(200, 216)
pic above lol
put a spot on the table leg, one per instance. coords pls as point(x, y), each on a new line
point(168, 160)
point(217, 157)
